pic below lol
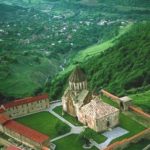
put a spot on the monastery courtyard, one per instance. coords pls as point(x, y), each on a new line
point(46, 122)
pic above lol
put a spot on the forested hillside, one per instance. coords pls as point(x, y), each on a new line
point(40, 38)
point(126, 65)
point(122, 69)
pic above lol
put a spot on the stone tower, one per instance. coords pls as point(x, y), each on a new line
point(77, 80)
point(77, 93)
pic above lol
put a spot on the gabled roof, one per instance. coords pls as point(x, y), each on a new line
point(26, 131)
point(3, 118)
point(98, 109)
point(77, 75)
point(125, 99)
point(25, 101)
point(13, 148)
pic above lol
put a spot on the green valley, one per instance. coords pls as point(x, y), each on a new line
point(74, 74)
point(39, 39)
point(123, 68)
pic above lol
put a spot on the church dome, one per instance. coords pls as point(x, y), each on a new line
point(77, 75)
point(77, 80)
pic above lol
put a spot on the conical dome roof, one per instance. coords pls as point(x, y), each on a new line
point(77, 75)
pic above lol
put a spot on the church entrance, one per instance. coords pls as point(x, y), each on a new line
point(121, 106)
point(108, 123)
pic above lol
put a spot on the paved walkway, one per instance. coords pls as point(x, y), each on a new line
point(59, 137)
point(74, 129)
point(111, 135)
point(114, 133)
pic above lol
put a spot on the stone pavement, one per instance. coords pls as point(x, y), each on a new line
point(59, 137)
point(111, 135)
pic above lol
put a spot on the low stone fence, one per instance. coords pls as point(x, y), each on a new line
point(134, 139)
point(111, 96)
point(139, 111)
point(132, 108)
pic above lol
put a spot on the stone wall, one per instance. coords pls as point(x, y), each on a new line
point(139, 111)
point(28, 108)
point(102, 124)
point(111, 96)
point(132, 108)
point(134, 139)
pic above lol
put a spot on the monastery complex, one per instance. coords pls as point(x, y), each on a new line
point(89, 109)
point(81, 103)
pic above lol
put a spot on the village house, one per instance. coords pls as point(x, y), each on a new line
point(90, 110)
point(25, 106)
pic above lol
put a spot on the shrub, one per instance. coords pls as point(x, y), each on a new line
point(61, 129)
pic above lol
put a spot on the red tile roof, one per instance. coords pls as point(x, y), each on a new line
point(2, 110)
point(26, 131)
point(25, 101)
point(3, 118)
point(13, 148)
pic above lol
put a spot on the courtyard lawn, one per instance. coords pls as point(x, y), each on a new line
point(68, 117)
point(142, 100)
point(70, 142)
point(97, 137)
point(129, 124)
point(45, 123)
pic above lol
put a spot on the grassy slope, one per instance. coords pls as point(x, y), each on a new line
point(43, 122)
point(97, 49)
point(26, 76)
point(82, 56)
point(124, 66)
point(122, 69)
point(142, 100)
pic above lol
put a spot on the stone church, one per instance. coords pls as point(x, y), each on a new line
point(90, 110)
